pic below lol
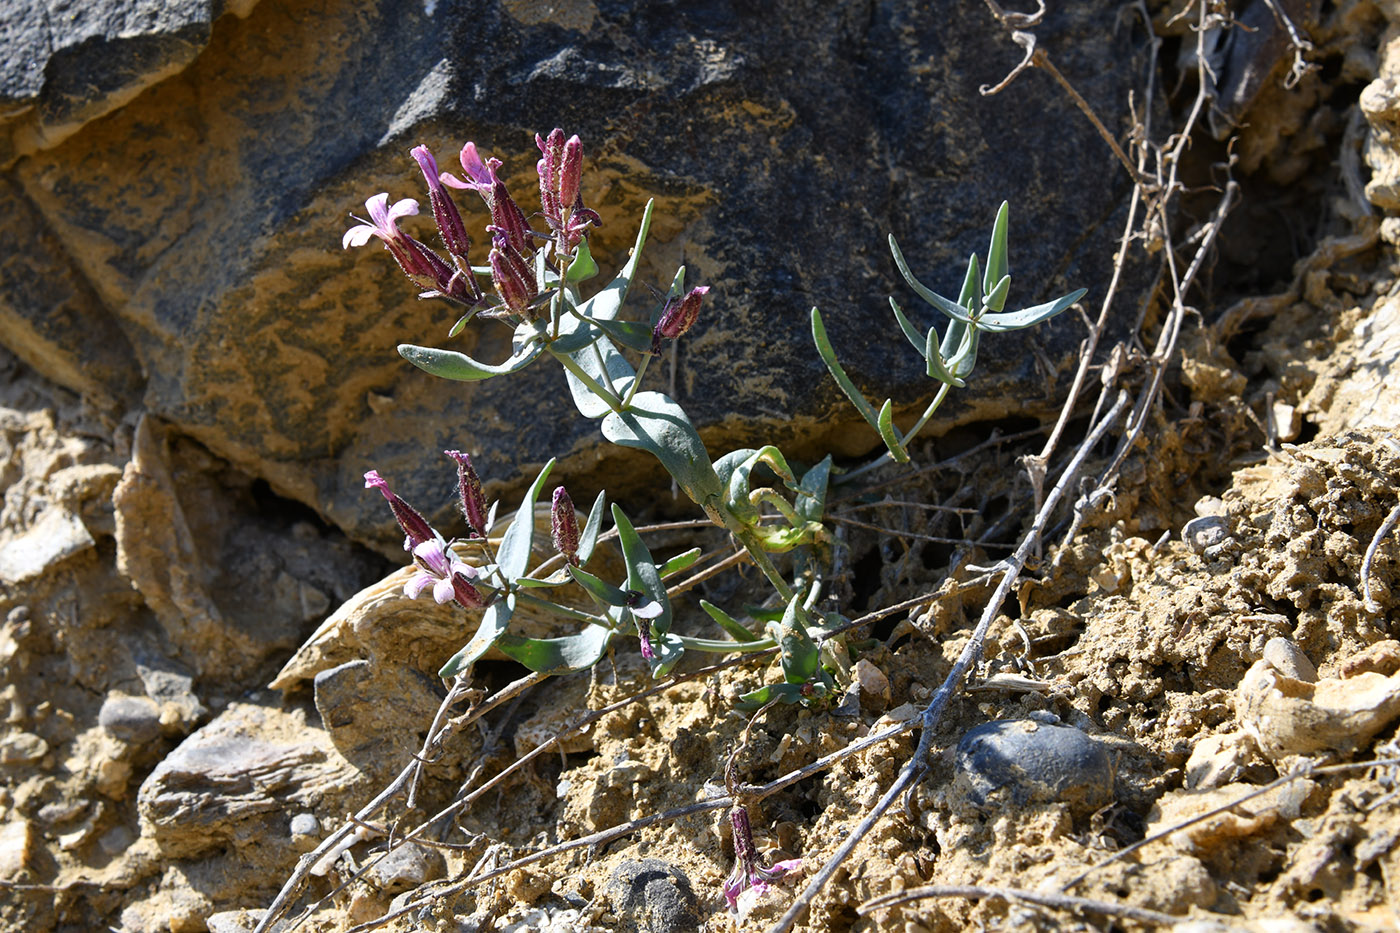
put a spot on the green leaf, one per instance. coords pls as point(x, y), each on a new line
point(656, 424)
point(679, 562)
point(513, 556)
point(583, 267)
point(642, 574)
point(605, 305)
point(449, 364)
point(937, 366)
point(911, 333)
point(996, 297)
point(800, 655)
point(605, 592)
point(588, 539)
point(970, 295)
point(1028, 317)
point(811, 498)
point(828, 355)
point(558, 655)
point(494, 620)
point(724, 620)
point(739, 487)
point(996, 253)
point(965, 359)
point(573, 339)
point(633, 335)
point(889, 435)
point(531, 583)
point(784, 693)
point(932, 297)
point(668, 649)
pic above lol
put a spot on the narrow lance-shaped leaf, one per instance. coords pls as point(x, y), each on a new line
point(885, 425)
point(1029, 317)
point(656, 424)
point(911, 333)
point(450, 364)
point(494, 619)
point(811, 498)
point(828, 355)
point(604, 592)
point(996, 252)
point(932, 297)
point(514, 554)
point(724, 620)
point(642, 574)
point(679, 562)
point(558, 655)
point(588, 538)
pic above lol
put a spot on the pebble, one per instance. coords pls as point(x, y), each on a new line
point(22, 748)
point(1205, 532)
point(1023, 761)
point(652, 896)
point(55, 537)
point(17, 849)
point(135, 720)
point(407, 866)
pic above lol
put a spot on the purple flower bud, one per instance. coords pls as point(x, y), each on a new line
point(509, 220)
point(563, 522)
point(748, 871)
point(571, 172)
point(643, 611)
point(513, 278)
point(449, 221)
point(469, 489)
point(549, 168)
point(678, 317)
point(415, 527)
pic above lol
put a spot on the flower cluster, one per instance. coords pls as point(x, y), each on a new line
point(439, 567)
point(512, 257)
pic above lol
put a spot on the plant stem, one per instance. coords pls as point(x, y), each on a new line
point(567, 611)
point(720, 646)
point(636, 381)
point(610, 398)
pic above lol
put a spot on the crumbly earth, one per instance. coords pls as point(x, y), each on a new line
point(1207, 622)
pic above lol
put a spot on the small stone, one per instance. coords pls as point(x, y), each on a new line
point(1381, 658)
point(55, 537)
point(1220, 759)
point(116, 840)
point(406, 866)
point(237, 921)
point(304, 824)
point(22, 748)
point(1288, 716)
point(874, 686)
point(1033, 762)
point(16, 849)
point(652, 896)
point(1288, 659)
point(135, 720)
point(1204, 532)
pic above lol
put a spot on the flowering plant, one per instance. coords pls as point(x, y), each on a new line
point(535, 278)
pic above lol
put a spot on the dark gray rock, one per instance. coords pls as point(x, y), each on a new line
point(374, 715)
point(652, 896)
point(132, 719)
point(1022, 761)
point(782, 143)
point(233, 781)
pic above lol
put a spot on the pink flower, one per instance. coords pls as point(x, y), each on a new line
point(748, 872)
point(448, 575)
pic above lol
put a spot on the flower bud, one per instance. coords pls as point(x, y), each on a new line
point(564, 526)
point(415, 527)
point(449, 221)
point(678, 317)
point(512, 276)
point(469, 490)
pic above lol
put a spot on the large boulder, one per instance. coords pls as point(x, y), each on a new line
point(175, 239)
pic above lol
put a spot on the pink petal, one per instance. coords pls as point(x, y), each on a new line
point(357, 236)
point(444, 591)
point(647, 610)
point(417, 583)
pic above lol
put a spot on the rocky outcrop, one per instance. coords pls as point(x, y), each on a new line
point(178, 182)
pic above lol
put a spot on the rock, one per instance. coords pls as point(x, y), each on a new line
point(132, 719)
point(239, 921)
point(22, 748)
point(1018, 762)
point(1246, 818)
point(652, 896)
point(874, 686)
point(56, 536)
point(405, 866)
point(233, 780)
point(780, 147)
point(374, 716)
point(1220, 759)
point(1289, 660)
point(1382, 658)
point(1287, 716)
point(18, 849)
point(1205, 532)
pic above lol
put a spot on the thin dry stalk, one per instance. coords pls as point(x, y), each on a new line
point(1075, 905)
point(1386, 527)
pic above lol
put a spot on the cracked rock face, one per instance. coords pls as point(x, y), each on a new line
point(182, 208)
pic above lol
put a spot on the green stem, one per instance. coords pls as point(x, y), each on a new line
point(637, 381)
point(928, 413)
point(610, 398)
point(719, 646)
point(603, 366)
